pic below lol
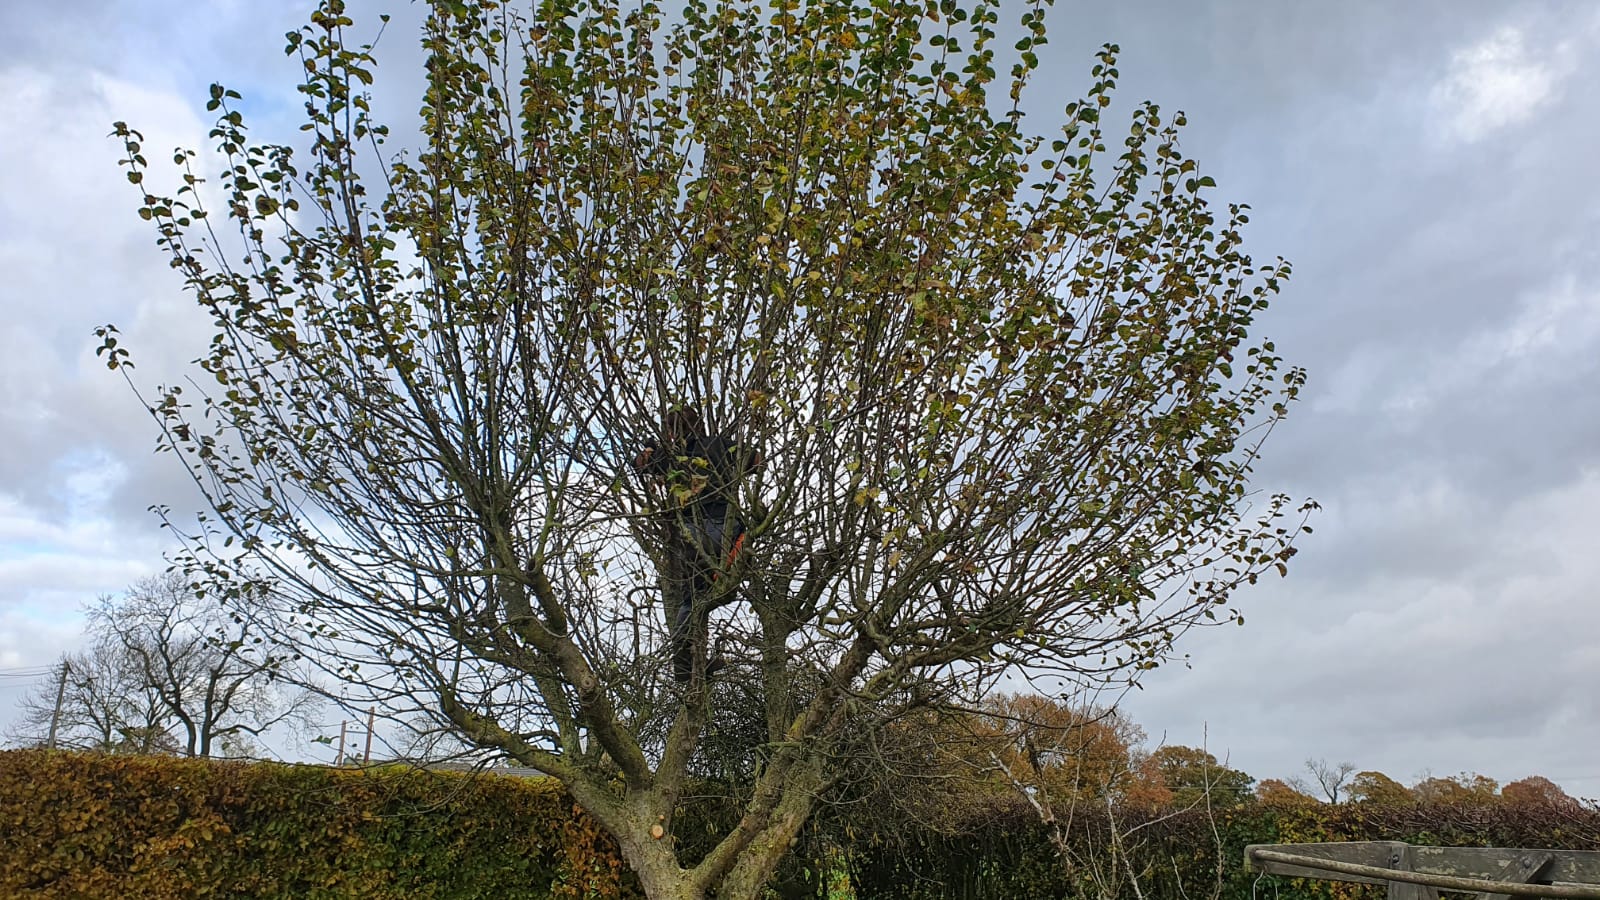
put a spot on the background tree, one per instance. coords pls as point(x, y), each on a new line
point(1465, 788)
point(1195, 777)
point(105, 706)
point(1276, 792)
point(1537, 790)
point(213, 674)
point(423, 741)
point(1330, 779)
point(1050, 748)
point(1376, 787)
point(169, 670)
point(1147, 789)
point(1059, 756)
point(1102, 797)
point(1003, 383)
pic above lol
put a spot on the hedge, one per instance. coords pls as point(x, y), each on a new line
point(76, 825)
point(89, 826)
point(1005, 853)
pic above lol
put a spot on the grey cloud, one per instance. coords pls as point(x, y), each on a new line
point(1480, 659)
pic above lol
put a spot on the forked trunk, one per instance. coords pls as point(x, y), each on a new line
point(658, 871)
point(663, 879)
point(668, 885)
point(751, 868)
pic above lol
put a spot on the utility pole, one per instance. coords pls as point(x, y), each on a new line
point(344, 732)
point(366, 756)
point(55, 715)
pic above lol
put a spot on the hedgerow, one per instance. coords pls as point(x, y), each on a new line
point(102, 826)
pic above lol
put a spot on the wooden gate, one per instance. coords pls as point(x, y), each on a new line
point(1420, 873)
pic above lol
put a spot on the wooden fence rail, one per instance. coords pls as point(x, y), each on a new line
point(1419, 873)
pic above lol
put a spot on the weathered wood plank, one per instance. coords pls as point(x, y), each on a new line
point(1505, 863)
point(1401, 869)
point(1492, 863)
point(1384, 854)
point(1531, 867)
point(1400, 890)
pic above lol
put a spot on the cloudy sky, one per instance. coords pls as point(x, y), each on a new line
point(1429, 168)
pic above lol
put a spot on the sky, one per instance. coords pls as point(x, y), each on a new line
point(1428, 167)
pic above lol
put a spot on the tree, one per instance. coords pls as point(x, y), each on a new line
point(1004, 387)
point(163, 659)
point(1537, 790)
point(104, 706)
point(1330, 778)
point(209, 666)
point(1466, 788)
point(1080, 768)
point(1147, 790)
point(1276, 792)
point(1196, 778)
point(1378, 788)
point(1051, 748)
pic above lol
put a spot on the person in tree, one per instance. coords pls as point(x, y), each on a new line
point(703, 531)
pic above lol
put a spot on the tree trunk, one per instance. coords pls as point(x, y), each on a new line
point(642, 825)
point(629, 821)
point(670, 886)
point(659, 874)
point(653, 861)
point(755, 866)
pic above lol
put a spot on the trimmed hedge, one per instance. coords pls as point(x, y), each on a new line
point(76, 825)
point(1007, 854)
point(92, 826)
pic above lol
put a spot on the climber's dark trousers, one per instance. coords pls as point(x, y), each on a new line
point(717, 537)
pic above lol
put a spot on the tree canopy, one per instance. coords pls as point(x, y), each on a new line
point(1537, 790)
point(167, 671)
point(1196, 778)
point(1376, 787)
point(1004, 386)
point(1277, 792)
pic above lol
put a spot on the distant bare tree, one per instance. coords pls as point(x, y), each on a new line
point(168, 670)
point(104, 707)
point(208, 668)
point(422, 740)
point(1330, 779)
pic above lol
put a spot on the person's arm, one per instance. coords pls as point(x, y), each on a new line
point(733, 459)
point(652, 460)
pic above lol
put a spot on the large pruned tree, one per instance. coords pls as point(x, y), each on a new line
point(1002, 388)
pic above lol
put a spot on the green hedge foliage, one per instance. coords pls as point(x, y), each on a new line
point(1005, 853)
point(88, 826)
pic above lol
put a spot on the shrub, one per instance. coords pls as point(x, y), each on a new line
point(91, 826)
